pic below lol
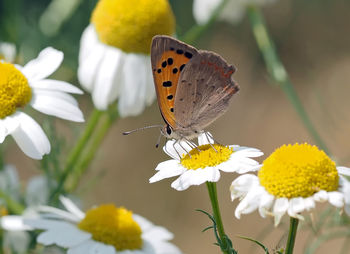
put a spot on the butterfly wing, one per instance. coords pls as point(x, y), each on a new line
point(169, 57)
point(204, 89)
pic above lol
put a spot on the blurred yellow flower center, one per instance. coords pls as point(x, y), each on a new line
point(298, 170)
point(131, 24)
point(113, 226)
point(206, 156)
point(15, 91)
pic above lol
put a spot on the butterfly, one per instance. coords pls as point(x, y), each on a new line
point(193, 86)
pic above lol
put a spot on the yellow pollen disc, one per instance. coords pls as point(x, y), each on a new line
point(113, 226)
point(131, 24)
point(15, 91)
point(206, 156)
point(298, 170)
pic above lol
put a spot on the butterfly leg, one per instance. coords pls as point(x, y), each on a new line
point(209, 136)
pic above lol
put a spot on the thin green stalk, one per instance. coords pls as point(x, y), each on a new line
point(292, 235)
point(13, 206)
point(197, 30)
point(77, 151)
point(109, 117)
point(278, 72)
point(217, 216)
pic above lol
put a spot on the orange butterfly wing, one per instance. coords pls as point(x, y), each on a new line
point(169, 57)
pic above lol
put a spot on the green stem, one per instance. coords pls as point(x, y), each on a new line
point(109, 117)
point(278, 72)
point(217, 216)
point(292, 234)
point(13, 206)
point(77, 151)
point(197, 30)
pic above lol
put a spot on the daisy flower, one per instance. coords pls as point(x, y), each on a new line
point(203, 164)
point(105, 229)
point(233, 12)
point(27, 85)
point(291, 180)
point(114, 61)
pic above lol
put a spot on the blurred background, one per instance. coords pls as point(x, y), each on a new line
point(313, 40)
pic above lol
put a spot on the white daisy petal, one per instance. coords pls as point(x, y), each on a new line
point(242, 184)
point(92, 247)
point(157, 232)
point(88, 68)
point(167, 169)
point(205, 138)
point(30, 137)
point(265, 204)
point(14, 223)
point(88, 41)
point(309, 203)
point(56, 85)
point(71, 207)
point(61, 233)
point(336, 198)
point(57, 104)
point(344, 171)
point(44, 65)
point(175, 148)
point(107, 81)
point(8, 50)
point(279, 209)
point(195, 177)
point(296, 206)
point(321, 196)
point(133, 89)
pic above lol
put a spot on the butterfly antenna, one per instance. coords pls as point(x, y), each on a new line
point(141, 129)
point(158, 140)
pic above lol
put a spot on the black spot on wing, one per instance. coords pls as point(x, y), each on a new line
point(170, 61)
point(167, 84)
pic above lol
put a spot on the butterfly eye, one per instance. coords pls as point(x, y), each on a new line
point(168, 130)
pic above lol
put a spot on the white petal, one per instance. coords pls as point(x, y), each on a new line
point(44, 65)
point(143, 222)
point(87, 42)
point(92, 247)
point(167, 169)
point(54, 212)
point(8, 50)
point(336, 198)
point(55, 85)
point(344, 171)
point(132, 99)
point(30, 137)
point(14, 223)
point(242, 185)
point(203, 9)
point(175, 148)
point(159, 233)
point(61, 233)
point(205, 138)
point(71, 207)
point(250, 202)
point(57, 104)
point(195, 177)
point(309, 203)
point(107, 83)
point(296, 206)
point(279, 209)
point(163, 248)
point(321, 196)
point(88, 69)
point(16, 241)
point(265, 204)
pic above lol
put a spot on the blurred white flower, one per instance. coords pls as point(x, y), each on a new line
point(114, 60)
point(195, 166)
point(20, 86)
point(7, 52)
point(105, 229)
point(232, 13)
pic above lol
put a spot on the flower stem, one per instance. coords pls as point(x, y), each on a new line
point(109, 117)
point(217, 216)
point(278, 72)
point(77, 151)
point(292, 234)
point(13, 206)
point(197, 30)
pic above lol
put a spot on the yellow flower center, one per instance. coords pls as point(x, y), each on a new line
point(206, 156)
point(298, 170)
point(113, 226)
point(131, 24)
point(15, 91)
